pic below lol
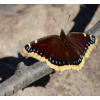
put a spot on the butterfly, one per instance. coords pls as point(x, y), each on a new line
point(62, 52)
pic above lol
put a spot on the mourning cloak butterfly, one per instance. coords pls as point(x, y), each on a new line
point(62, 52)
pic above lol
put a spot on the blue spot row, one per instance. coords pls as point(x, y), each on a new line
point(56, 62)
point(30, 49)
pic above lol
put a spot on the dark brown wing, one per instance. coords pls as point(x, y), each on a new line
point(76, 46)
point(62, 50)
point(52, 48)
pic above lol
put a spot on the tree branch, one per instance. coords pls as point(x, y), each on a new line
point(95, 29)
point(23, 77)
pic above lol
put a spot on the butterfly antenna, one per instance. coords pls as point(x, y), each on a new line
point(68, 20)
point(62, 29)
point(57, 24)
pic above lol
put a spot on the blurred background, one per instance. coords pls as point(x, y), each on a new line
point(20, 24)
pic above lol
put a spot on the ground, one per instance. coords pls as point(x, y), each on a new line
point(20, 24)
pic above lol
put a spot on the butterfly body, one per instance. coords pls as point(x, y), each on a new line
point(62, 52)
